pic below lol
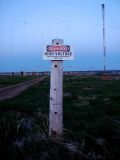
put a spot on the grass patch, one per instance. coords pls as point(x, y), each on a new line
point(91, 119)
point(10, 80)
point(31, 100)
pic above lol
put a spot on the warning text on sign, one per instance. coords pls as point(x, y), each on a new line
point(58, 53)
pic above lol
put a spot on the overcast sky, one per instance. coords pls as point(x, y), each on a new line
point(27, 26)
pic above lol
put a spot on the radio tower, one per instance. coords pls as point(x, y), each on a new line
point(104, 47)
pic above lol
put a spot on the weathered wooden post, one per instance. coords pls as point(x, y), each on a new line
point(57, 52)
point(56, 95)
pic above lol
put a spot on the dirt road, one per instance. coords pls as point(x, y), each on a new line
point(14, 90)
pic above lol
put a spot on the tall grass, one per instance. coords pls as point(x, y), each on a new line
point(91, 122)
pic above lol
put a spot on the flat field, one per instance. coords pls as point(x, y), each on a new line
point(11, 80)
point(91, 107)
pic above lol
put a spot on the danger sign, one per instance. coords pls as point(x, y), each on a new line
point(58, 52)
point(52, 48)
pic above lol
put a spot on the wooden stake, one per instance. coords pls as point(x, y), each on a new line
point(57, 52)
point(56, 100)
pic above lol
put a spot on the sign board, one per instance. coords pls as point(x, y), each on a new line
point(58, 52)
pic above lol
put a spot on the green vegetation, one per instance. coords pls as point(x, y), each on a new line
point(34, 99)
point(10, 80)
point(91, 122)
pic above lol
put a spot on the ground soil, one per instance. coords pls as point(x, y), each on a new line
point(14, 90)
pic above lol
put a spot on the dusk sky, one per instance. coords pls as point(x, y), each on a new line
point(27, 26)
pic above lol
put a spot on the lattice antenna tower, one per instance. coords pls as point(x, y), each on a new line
point(104, 42)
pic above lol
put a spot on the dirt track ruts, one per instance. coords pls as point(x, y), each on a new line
point(14, 90)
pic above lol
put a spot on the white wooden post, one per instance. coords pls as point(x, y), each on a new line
point(57, 52)
point(56, 96)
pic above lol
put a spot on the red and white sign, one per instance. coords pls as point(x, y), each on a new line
point(58, 52)
point(52, 48)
